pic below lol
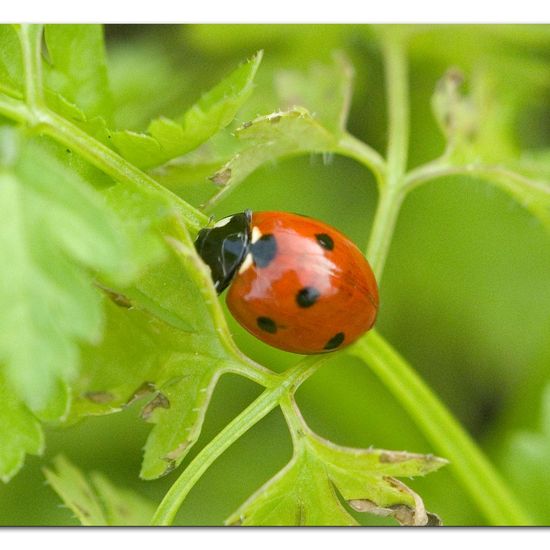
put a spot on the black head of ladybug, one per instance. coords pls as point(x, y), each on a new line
point(224, 246)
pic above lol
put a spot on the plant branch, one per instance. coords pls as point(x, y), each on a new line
point(391, 194)
point(358, 150)
point(30, 37)
point(441, 168)
point(257, 410)
point(37, 114)
point(114, 165)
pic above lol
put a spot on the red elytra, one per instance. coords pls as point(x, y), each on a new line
point(303, 287)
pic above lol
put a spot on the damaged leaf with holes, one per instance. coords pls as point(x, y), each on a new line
point(165, 342)
point(308, 490)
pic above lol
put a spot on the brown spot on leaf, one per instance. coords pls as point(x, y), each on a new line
point(399, 456)
point(222, 177)
point(142, 391)
point(369, 507)
point(402, 513)
point(178, 451)
point(118, 298)
point(433, 520)
point(99, 397)
point(160, 400)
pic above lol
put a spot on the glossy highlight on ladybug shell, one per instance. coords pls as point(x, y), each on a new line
point(294, 282)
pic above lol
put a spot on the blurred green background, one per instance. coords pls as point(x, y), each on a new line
point(465, 295)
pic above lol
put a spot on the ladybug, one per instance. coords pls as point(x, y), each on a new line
point(295, 283)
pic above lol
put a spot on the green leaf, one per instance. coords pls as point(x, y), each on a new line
point(477, 129)
point(20, 433)
point(188, 175)
point(306, 491)
point(167, 139)
point(324, 90)
point(300, 494)
point(142, 356)
point(78, 67)
point(271, 137)
point(11, 62)
point(165, 336)
point(123, 507)
point(53, 230)
point(96, 501)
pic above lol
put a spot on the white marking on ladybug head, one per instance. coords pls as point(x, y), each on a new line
point(248, 261)
point(223, 221)
point(256, 234)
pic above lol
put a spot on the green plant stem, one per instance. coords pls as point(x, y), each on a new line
point(257, 410)
point(385, 219)
point(397, 89)
point(95, 152)
point(175, 496)
point(37, 115)
point(113, 164)
point(30, 37)
point(467, 462)
point(390, 193)
point(356, 149)
point(471, 467)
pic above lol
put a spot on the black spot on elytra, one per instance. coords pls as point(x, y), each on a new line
point(335, 341)
point(325, 241)
point(264, 250)
point(267, 324)
point(307, 296)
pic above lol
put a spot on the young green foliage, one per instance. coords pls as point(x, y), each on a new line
point(270, 137)
point(167, 139)
point(314, 121)
point(476, 127)
point(20, 430)
point(325, 91)
point(54, 228)
point(11, 63)
point(94, 500)
point(306, 491)
point(165, 336)
point(77, 68)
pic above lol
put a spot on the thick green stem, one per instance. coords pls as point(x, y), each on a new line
point(449, 439)
point(471, 467)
